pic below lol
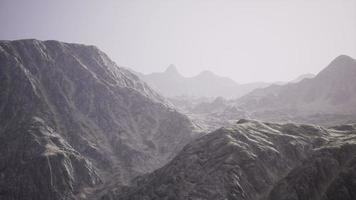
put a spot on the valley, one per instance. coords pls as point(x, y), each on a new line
point(75, 125)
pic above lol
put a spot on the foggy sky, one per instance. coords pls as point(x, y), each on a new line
point(247, 40)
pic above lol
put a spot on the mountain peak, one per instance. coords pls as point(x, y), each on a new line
point(35, 72)
point(343, 57)
point(342, 65)
point(171, 69)
point(210, 76)
point(342, 61)
point(301, 77)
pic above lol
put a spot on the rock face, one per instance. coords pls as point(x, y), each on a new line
point(171, 83)
point(258, 161)
point(70, 119)
point(327, 99)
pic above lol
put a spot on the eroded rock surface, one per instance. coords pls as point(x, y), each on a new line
point(254, 160)
point(71, 119)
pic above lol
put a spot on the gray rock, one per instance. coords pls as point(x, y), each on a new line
point(253, 160)
point(327, 99)
point(71, 119)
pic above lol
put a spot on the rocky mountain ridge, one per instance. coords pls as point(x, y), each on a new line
point(74, 125)
point(257, 160)
point(71, 120)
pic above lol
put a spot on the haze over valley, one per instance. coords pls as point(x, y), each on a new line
point(259, 103)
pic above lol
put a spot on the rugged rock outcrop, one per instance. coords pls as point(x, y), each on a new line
point(71, 119)
point(254, 160)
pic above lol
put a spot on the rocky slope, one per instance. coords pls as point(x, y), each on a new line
point(302, 77)
point(171, 83)
point(210, 114)
point(329, 98)
point(71, 119)
point(257, 161)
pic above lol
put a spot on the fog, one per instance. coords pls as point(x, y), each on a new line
point(246, 40)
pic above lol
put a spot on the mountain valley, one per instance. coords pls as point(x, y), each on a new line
point(74, 125)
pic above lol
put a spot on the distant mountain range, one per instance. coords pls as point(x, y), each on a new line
point(331, 91)
point(171, 83)
point(329, 98)
point(206, 84)
point(251, 160)
point(74, 125)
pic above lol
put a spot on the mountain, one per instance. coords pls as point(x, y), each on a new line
point(171, 83)
point(329, 97)
point(71, 120)
point(213, 114)
point(253, 160)
point(301, 77)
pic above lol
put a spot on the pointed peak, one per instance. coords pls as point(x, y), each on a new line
point(171, 69)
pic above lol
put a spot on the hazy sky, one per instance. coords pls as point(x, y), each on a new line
point(247, 40)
